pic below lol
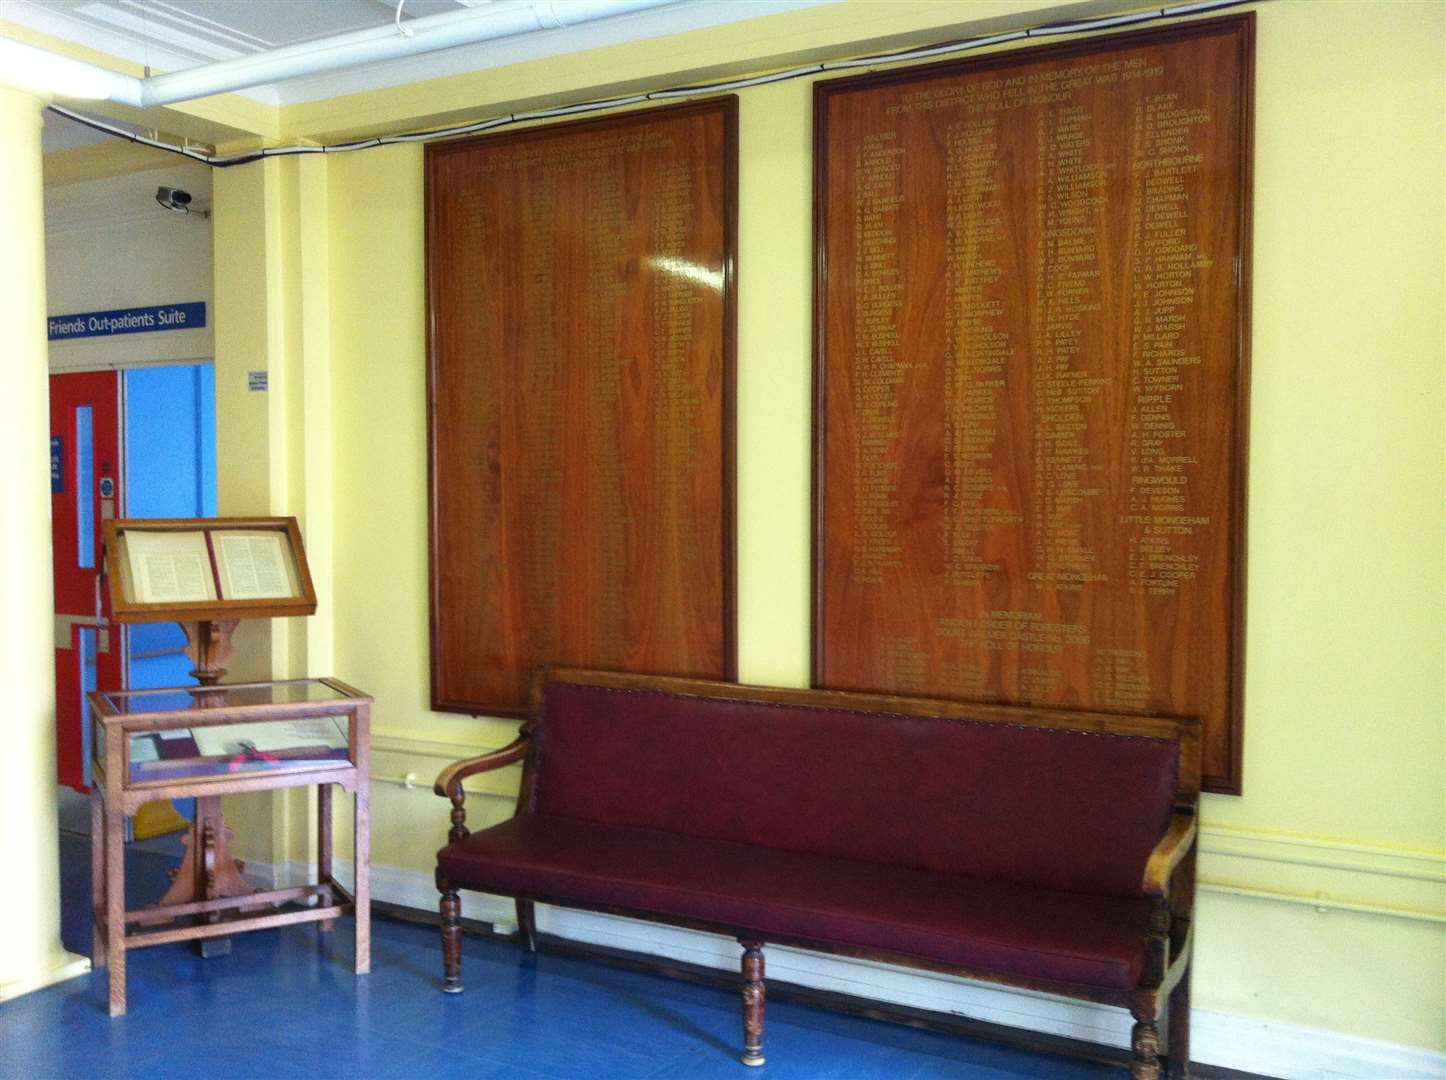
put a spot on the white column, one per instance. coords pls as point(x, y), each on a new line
point(30, 951)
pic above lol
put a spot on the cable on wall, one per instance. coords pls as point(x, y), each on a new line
point(1089, 26)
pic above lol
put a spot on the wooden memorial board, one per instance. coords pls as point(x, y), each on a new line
point(1031, 329)
point(580, 281)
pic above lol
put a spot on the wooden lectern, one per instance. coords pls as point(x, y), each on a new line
point(207, 574)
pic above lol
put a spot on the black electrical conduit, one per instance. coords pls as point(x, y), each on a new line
point(1090, 26)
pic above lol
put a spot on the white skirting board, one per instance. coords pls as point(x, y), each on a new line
point(1237, 1042)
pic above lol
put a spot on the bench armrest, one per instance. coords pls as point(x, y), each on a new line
point(449, 781)
point(1179, 838)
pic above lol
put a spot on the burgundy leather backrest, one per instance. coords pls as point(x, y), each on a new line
point(1069, 810)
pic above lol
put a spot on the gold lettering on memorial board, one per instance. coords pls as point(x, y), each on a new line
point(1030, 378)
point(878, 367)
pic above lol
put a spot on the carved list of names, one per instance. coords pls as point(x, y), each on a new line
point(1032, 381)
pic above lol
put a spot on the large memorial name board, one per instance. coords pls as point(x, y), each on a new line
point(1031, 376)
point(580, 283)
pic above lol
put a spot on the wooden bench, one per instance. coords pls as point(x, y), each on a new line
point(1040, 849)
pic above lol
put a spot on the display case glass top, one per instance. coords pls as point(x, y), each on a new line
point(223, 697)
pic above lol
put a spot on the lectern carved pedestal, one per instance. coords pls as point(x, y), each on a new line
point(207, 870)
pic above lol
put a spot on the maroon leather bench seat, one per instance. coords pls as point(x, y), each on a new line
point(1005, 844)
point(783, 895)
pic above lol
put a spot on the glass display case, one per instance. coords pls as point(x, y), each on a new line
point(157, 751)
point(203, 742)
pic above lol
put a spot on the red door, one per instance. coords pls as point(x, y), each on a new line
point(84, 491)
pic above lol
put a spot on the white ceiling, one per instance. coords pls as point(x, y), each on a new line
point(183, 33)
point(173, 35)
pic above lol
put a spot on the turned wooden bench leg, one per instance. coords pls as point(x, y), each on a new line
point(1177, 1043)
point(527, 925)
point(451, 909)
point(1145, 1046)
point(753, 995)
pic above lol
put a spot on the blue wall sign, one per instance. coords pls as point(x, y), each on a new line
point(136, 320)
point(57, 469)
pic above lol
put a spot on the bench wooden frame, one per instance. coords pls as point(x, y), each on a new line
point(1162, 996)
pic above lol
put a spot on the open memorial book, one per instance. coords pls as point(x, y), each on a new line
point(170, 567)
point(254, 565)
point(206, 569)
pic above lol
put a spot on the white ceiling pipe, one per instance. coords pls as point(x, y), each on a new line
point(448, 30)
point(45, 72)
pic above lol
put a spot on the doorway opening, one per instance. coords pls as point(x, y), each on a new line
point(170, 471)
point(139, 442)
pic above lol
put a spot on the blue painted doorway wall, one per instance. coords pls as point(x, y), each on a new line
point(170, 455)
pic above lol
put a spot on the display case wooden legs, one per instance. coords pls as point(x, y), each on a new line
point(111, 941)
point(362, 853)
point(323, 842)
point(208, 899)
point(97, 878)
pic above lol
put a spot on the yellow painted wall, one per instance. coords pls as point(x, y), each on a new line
point(1345, 752)
point(264, 248)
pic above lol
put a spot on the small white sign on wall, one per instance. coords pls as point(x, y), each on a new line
point(256, 380)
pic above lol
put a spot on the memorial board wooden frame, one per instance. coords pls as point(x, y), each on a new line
point(850, 636)
point(126, 608)
point(489, 633)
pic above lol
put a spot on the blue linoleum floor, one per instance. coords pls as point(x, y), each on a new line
point(285, 1003)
